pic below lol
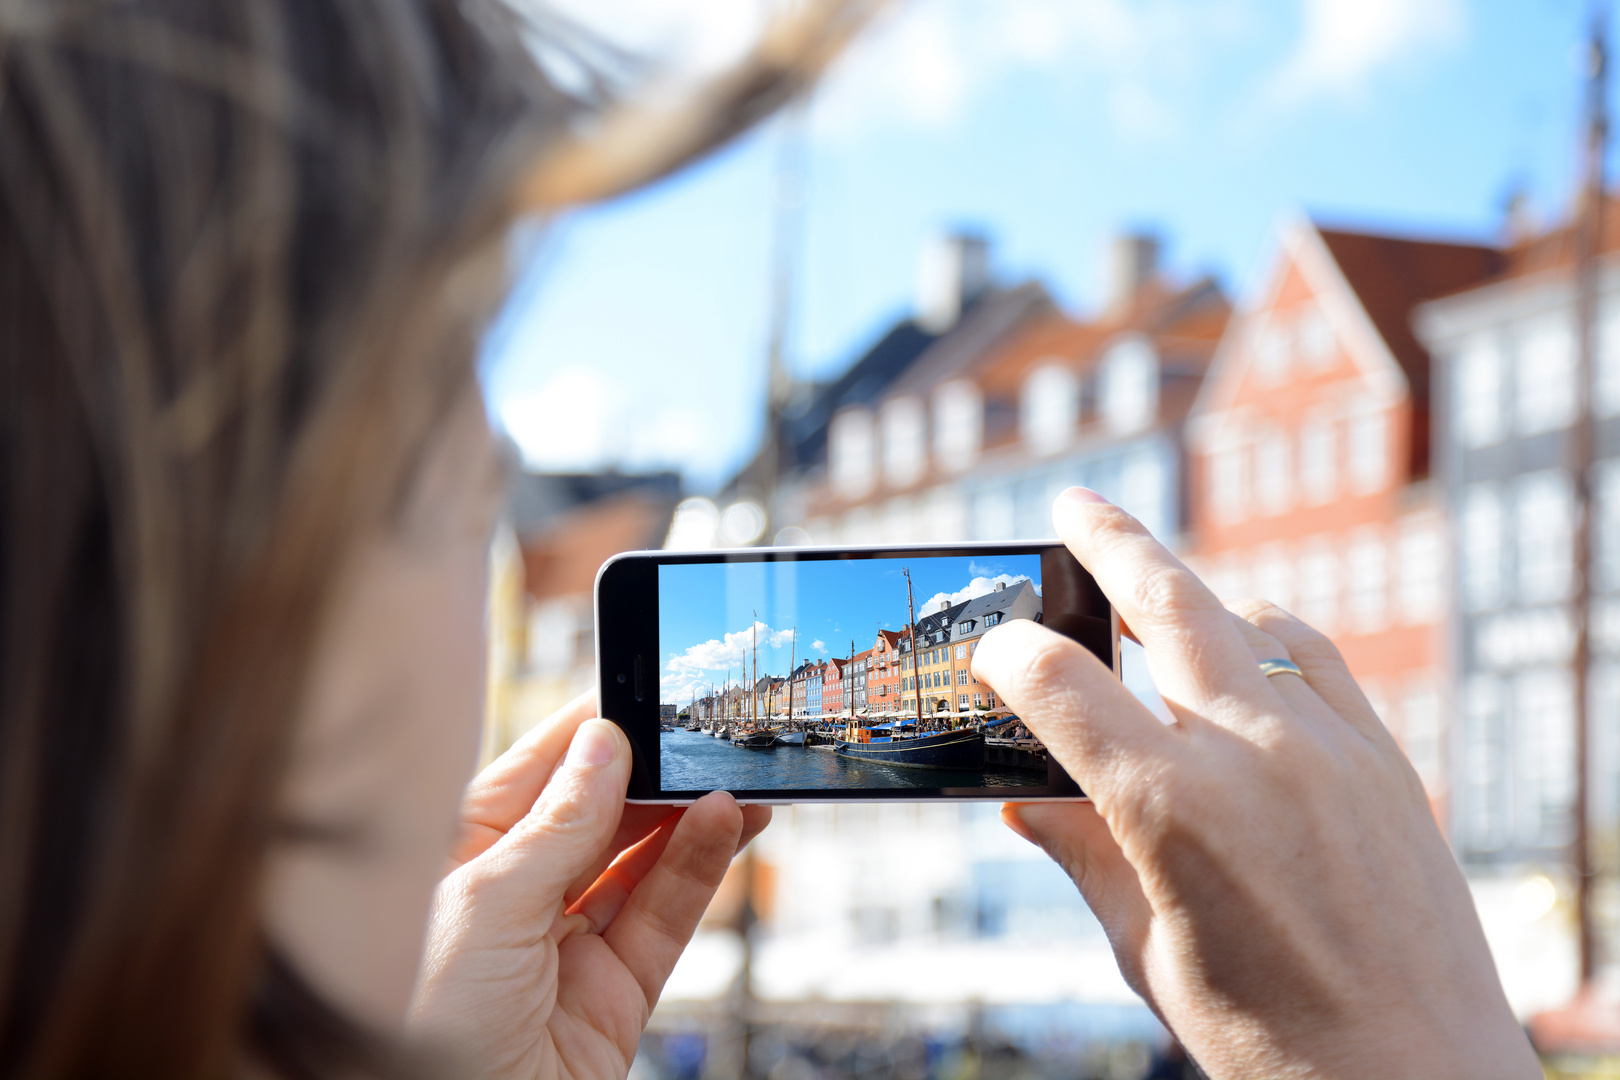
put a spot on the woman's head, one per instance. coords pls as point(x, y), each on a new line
point(245, 249)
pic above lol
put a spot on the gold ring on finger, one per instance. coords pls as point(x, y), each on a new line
point(1280, 667)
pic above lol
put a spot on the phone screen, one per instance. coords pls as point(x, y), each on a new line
point(794, 674)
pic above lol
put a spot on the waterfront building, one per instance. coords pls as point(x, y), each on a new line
point(816, 673)
point(855, 683)
point(1506, 368)
point(974, 438)
point(832, 688)
point(883, 673)
point(1311, 463)
point(799, 697)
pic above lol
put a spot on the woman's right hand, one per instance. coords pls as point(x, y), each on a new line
point(1267, 868)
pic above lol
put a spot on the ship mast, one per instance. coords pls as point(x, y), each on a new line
point(911, 635)
point(753, 685)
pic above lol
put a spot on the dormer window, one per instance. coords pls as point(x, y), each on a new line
point(904, 450)
point(958, 424)
point(1130, 387)
point(992, 619)
point(1050, 410)
point(965, 626)
point(850, 452)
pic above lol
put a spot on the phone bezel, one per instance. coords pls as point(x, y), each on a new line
point(627, 582)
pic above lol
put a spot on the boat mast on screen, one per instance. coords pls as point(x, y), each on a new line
point(840, 674)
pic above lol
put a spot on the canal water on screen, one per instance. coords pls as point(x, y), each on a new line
point(692, 761)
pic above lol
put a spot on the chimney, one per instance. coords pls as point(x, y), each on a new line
point(952, 272)
point(1001, 586)
point(1133, 261)
point(944, 605)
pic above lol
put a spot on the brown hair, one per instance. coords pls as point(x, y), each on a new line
point(246, 247)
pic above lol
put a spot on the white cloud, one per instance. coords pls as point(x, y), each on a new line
point(564, 424)
point(979, 586)
point(819, 646)
point(1347, 42)
point(729, 653)
point(924, 66)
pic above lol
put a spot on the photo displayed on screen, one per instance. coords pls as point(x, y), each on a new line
point(840, 674)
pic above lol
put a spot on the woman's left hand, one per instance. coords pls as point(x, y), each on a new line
point(565, 912)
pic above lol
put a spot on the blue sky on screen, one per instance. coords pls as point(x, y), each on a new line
point(636, 334)
point(707, 611)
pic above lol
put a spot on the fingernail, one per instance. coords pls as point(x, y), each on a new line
point(593, 744)
point(1011, 818)
point(1081, 495)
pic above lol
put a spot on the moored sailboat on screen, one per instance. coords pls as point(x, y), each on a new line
point(900, 744)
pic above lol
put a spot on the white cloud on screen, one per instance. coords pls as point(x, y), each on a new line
point(979, 586)
point(709, 662)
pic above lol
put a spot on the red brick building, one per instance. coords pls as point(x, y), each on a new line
point(1309, 452)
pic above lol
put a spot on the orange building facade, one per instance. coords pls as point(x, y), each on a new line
point(1309, 464)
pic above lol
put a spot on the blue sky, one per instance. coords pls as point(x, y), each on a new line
point(636, 332)
point(707, 611)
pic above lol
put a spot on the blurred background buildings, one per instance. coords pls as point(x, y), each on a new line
point(1380, 430)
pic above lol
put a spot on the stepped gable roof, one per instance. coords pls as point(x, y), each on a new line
point(1392, 275)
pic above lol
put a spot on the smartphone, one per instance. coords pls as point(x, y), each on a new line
point(832, 674)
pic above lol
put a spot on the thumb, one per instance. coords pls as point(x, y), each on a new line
point(573, 820)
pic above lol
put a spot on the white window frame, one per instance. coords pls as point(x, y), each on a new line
point(1544, 512)
point(1319, 459)
point(1049, 412)
point(1367, 449)
point(1544, 375)
point(1482, 546)
point(1479, 408)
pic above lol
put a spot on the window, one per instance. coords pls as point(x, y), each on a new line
point(1050, 409)
point(961, 652)
point(1544, 388)
point(1606, 538)
point(1420, 567)
point(992, 618)
point(990, 700)
point(1130, 388)
point(1319, 586)
point(1608, 359)
point(1479, 544)
point(904, 453)
point(1477, 412)
point(850, 452)
point(1318, 462)
point(1229, 482)
point(1271, 473)
point(1482, 822)
point(1420, 735)
point(978, 701)
point(1544, 756)
point(1271, 348)
point(961, 676)
point(958, 424)
point(1544, 505)
point(962, 702)
point(964, 627)
point(1316, 342)
point(1369, 450)
point(1274, 576)
point(1368, 581)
